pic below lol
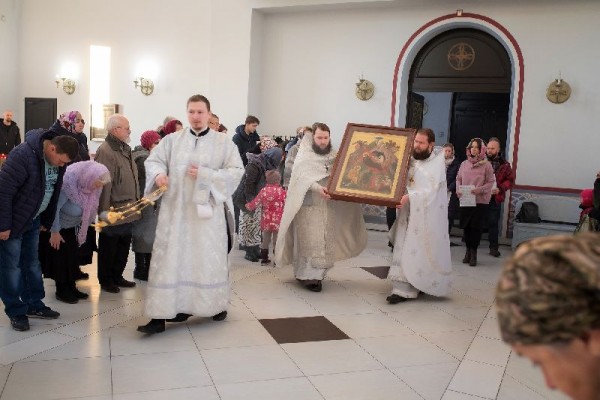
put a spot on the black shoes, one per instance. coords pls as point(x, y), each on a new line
point(314, 285)
point(80, 295)
point(152, 327)
point(67, 297)
point(20, 323)
point(82, 276)
point(395, 299)
point(110, 288)
point(44, 313)
point(494, 252)
point(454, 244)
point(180, 317)
point(220, 316)
point(124, 283)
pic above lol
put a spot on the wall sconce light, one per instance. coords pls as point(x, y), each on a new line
point(146, 85)
point(68, 85)
point(558, 91)
point(364, 89)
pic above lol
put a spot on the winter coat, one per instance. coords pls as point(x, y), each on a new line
point(124, 185)
point(504, 180)
point(244, 142)
point(23, 182)
point(271, 198)
point(480, 175)
point(144, 230)
point(10, 137)
point(451, 172)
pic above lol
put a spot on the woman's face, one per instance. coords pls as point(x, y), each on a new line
point(571, 368)
point(79, 123)
point(474, 148)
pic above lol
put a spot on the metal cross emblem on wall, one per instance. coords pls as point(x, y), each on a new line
point(461, 56)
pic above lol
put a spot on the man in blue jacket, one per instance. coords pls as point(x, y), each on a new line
point(30, 179)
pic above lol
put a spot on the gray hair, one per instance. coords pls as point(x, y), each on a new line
point(113, 122)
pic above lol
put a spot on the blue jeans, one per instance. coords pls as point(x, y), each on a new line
point(493, 222)
point(21, 284)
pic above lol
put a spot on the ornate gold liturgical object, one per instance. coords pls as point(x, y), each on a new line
point(113, 215)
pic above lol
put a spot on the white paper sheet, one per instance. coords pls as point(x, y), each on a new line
point(467, 199)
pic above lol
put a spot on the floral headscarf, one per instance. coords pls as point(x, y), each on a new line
point(549, 291)
point(67, 120)
point(267, 143)
point(79, 186)
point(482, 150)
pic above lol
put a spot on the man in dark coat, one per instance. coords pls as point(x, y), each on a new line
point(452, 166)
point(30, 179)
point(246, 137)
point(504, 182)
point(9, 133)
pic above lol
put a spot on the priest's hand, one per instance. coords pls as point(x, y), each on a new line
point(55, 240)
point(324, 193)
point(161, 180)
point(193, 171)
point(403, 201)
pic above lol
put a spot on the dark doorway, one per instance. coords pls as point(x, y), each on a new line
point(39, 113)
point(482, 115)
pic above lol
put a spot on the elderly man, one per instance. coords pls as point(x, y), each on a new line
point(421, 260)
point(123, 189)
point(31, 180)
point(316, 231)
point(9, 133)
point(189, 272)
point(549, 310)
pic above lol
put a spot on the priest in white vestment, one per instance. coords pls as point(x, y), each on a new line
point(421, 260)
point(316, 231)
point(189, 271)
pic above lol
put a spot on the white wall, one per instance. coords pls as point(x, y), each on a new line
point(293, 62)
point(9, 48)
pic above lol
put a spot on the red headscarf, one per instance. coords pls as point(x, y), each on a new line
point(170, 126)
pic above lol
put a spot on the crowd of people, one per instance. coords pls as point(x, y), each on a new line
point(273, 197)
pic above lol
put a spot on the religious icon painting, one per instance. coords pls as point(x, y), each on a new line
point(372, 165)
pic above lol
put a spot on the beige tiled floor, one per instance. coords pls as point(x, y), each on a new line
point(430, 349)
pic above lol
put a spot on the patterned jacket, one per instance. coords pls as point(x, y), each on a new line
point(272, 199)
point(505, 180)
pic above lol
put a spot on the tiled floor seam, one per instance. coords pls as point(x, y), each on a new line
point(528, 386)
point(203, 361)
point(471, 395)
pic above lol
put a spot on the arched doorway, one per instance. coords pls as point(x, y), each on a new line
point(461, 80)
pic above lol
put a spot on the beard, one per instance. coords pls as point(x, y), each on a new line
point(421, 155)
point(321, 151)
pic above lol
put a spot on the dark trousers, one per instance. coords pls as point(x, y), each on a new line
point(472, 237)
point(113, 250)
point(236, 216)
point(390, 216)
point(493, 222)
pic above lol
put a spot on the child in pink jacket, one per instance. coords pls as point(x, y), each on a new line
point(272, 199)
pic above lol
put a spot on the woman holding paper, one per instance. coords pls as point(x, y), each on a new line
point(474, 184)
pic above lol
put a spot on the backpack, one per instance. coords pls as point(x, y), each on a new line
point(529, 213)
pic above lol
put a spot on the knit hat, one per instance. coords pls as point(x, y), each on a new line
point(170, 126)
point(149, 138)
point(273, 177)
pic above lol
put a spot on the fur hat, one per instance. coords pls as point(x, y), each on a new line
point(149, 138)
point(273, 177)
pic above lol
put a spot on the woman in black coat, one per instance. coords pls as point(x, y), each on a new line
point(452, 166)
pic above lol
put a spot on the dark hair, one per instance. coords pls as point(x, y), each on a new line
point(427, 132)
point(321, 126)
point(251, 119)
point(476, 140)
point(66, 145)
point(449, 145)
point(198, 98)
point(494, 139)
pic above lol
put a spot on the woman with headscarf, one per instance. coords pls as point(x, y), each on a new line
point(76, 210)
point(475, 171)
point(144, 229)
point(548, 302)
point(253, 181)
point(172, 126)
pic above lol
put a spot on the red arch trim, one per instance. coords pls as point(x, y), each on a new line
point(515, 45)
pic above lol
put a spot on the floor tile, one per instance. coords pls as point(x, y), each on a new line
point(283, 308)
point(429, 381)
point(379, 272)
point(86, 377)
point(302, 329)
point(93, 325)
point(195, 393)
point(511, 389)
point(244, 364)
point(452, 395)
point(489, 328)
point(271, 290)
point(276, 389)
point(31, 346)
point(4, 371)
point(455, 343)
point(376, 385)
point(489, 351)
point(350, 274)
point(95, 345)
point(477, 379)
point(147, 372)
point(127, 340)
point(407, 350)
point(318, 358)
point(341, 305)
point(433, 321)
point(369, 325)
point(230, 334)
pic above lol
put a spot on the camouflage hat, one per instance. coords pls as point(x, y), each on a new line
point(549, 291)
